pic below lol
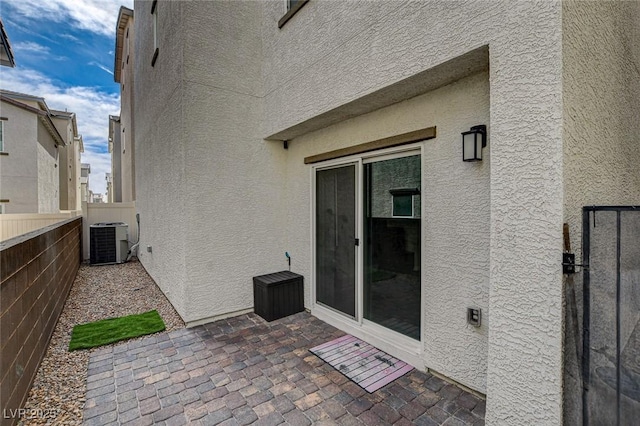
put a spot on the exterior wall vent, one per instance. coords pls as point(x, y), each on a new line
point(108, 243)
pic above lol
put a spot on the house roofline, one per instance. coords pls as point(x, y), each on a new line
point(4, 38)
point(18, 95)
point(44, 116)
point(69, 116)
point(123, 17)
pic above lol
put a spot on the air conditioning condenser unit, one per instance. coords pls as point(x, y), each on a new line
point(109, 243)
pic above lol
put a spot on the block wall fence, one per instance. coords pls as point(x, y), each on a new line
point(36, 273)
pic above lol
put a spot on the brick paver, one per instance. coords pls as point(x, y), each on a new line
point(246, 371)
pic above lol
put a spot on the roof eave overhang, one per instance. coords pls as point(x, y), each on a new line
point(43, 115)
point(6, 46)
point(123, 17)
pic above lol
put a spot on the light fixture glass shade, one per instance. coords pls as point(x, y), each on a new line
point(469, 146)
point(472, 143)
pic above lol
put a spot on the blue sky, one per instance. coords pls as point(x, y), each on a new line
point(64, 52)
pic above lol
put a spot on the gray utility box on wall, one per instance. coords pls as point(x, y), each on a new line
point(108, 243)
point(278, 295)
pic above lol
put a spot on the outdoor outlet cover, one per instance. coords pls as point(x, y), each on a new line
point(474, 316)
point(149, 249)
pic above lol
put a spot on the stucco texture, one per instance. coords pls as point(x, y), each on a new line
point(455, 217)
point(48, 173)
point(160, 177)
point(601, 92)
point(127, 144)
point(29, 173)
point(232, 203)
point(349, 55)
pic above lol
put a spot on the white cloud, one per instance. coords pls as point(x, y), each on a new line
point(30, 46)
point(92, 108)
point(102, 67)
point(69, 37)
point(98, 16)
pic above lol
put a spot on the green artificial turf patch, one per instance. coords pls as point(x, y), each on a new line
point(103, 332)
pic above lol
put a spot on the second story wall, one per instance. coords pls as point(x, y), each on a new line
point(48, 173)
point(115, 148)
point(127, 121)
point(19, 168)
point(160, 166)
point(69, 160)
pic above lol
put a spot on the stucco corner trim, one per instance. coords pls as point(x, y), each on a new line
point(393, 141)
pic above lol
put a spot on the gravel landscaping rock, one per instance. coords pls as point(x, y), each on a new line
point(98, 292)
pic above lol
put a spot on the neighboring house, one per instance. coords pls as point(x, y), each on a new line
point(96, 198)
point(85, 192)
point(123, 73)
point(70, 186)
point(109, 179)
point(115, 149)
point(6, 53)
point(29, 175)
point(334, 134)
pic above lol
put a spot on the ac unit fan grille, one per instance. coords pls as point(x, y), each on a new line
point(103, 245)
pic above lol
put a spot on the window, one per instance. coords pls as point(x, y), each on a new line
point(124, 141)
point(1, 135)
point(403, 203)
point(293, 6)
point(154, 12)
point(402, 206)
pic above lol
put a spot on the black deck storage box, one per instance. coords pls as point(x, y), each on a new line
point(278, 295)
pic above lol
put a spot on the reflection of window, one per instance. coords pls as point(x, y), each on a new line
point(402, 204)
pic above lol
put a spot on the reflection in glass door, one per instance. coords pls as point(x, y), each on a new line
point(335, 238)
point(392, 244)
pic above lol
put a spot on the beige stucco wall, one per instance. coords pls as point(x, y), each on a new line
point(239, 178)
point(455, 225)
point(116, 158)
point(19, 169)
point(48, 173)
point(69, 164)
point(220, 85)
point(601, 92)
point(160, 175)
point(64, 158)
point(76, 200)
point(601, 59)
point(127, 122)
point(327, 56)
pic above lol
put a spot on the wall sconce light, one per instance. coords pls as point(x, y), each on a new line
point(472, 143)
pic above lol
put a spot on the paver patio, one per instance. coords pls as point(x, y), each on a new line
point(244, 370)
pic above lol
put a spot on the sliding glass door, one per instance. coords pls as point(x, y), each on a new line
point(335, 238)
point(392, 244)
point(386, 291)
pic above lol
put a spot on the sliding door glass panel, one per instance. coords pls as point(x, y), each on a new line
point(335, 238)
point(392, 244)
